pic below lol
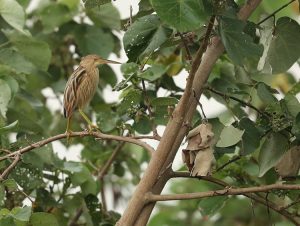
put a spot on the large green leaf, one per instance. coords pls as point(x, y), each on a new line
point(229, 136)
point(8, 127)
point(39, 219)
point(265, 93)
point(284, 50)
point(272, 149)
point(154, 72)
point(12, 58)
point(21, 214)
point(211, 205)
point(144, 36)
point(5, 96)
point(106, 16)
point(13, 13)
point(164, 101)
point(240, 46)
point(184, 15)
point(37, 52)
point(93, 40)
point(55, 15)
point(251, 136)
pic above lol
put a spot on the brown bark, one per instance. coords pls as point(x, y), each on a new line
point(137, 212)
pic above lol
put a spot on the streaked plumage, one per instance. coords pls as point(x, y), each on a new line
point(82, 86)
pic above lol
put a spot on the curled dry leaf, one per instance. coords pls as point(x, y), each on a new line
point(198, 155)
point(289, 164)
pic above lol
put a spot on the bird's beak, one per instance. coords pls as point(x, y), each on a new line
point(104, 61)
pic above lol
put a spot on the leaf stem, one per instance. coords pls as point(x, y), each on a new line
point(276, 11)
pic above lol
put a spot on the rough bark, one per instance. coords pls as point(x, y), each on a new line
point(155, 177)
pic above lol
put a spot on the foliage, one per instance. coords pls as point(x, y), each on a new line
point(41, 47)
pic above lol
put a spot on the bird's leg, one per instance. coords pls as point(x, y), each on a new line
point(90, 124)
point(68, 131)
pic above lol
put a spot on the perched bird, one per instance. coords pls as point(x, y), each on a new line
point(81, 87)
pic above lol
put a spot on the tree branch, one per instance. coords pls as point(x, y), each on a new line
point(97, 135)
point(137, 212)
point(256, 197)
point(235, 98)
point(103, 171)
point(229, 191)
point(10, 167)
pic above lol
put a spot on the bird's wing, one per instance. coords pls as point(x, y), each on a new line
point(70, 96)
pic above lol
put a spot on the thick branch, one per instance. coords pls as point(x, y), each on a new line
point(175, 131)
point(97, 135)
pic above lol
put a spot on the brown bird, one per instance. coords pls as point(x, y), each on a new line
point(81, 87)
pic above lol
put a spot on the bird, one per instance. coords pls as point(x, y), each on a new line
point(81, 87)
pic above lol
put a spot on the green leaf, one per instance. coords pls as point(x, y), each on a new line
point(107, 120)
point(10, 184)
point(106, 16)
point(284, 50)
point(184, 15)
point(37, 52)
point(272, 149)
point(211, 205)
point(21, 214)
point(108, 75)
point(73, 167)
point(144, 36)
point(90, 39)
point(72, 4)
point(13, 14)
point(153, 73)
point(16, 61)
point(54, 15)
point(265, 93)
point(164, 101)
point(239, 45)
point(129, 68)
point(292, 104)
point(142, 125)
point(131, 98)
point(229, 136)
point(5, 96)
point(296, 127)
point(9, 127)
point(94, 3)
point(39, 219)
point(251, 137)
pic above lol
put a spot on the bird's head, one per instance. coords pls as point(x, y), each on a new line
point(96, 60)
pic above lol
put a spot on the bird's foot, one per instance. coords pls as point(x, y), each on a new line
point(93, 128)
point(68, 133)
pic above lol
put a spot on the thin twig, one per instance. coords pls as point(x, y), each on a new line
point(103, 199)
point(199, 103)
point(73, 221)
point(235, 98)
point(291, 204)
point(97, 135)
point(103, 171)
point(188, 53)
point(10, 167)
point(147, 103)
point(130, 15)
point(229, 162)
point(276, 11)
